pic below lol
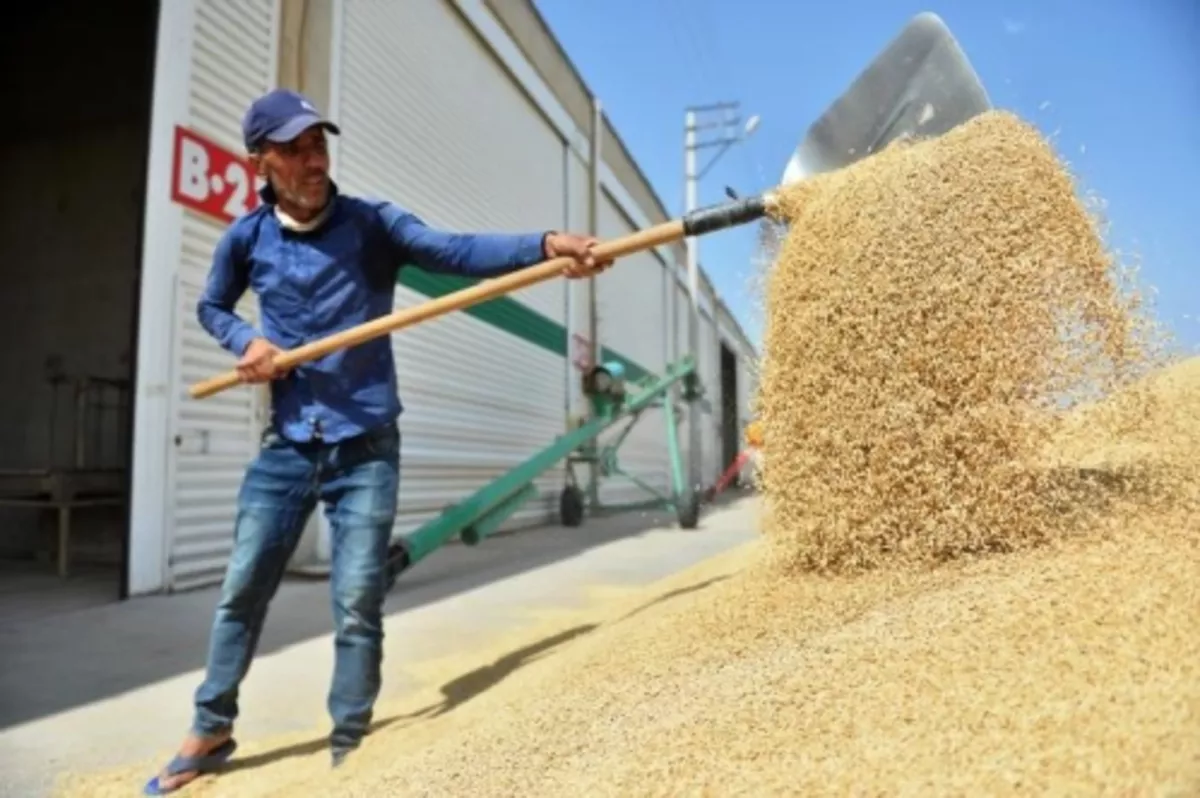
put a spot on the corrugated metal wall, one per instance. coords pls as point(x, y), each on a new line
point(232, 62)
point(681, 340)
point(632, 330)
point(576, 198)
point(435, 125)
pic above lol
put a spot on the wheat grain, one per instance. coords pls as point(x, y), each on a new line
point(934, 315)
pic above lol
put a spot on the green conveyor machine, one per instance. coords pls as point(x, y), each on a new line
point(617, 404)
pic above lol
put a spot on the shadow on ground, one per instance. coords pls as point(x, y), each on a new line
point(467, 686)
point(80, 657)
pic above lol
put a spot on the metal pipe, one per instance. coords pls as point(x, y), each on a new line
point(677, 486)
point(693, 272)
point(594, 156)
point(594, 222)
point(668, 280)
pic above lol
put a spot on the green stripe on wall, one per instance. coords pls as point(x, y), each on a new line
point(503, 312)
point(511, 316)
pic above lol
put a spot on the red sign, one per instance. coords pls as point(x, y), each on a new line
point(212, 180)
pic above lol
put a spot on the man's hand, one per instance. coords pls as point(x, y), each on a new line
point(579, 248)
point(258, 362)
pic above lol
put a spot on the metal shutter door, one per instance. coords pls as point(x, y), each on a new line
point(215, 438)
point(431, 121)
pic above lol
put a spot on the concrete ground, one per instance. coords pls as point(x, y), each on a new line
point(98, 687)
point(32, 592)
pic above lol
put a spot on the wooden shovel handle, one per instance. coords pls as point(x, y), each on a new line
point(649, 238)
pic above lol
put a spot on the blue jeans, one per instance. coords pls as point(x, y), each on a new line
point(357, 480)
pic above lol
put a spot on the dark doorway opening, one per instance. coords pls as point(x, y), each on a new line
point(75, 142)
point(729, 407)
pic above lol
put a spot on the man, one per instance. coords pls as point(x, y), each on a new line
point(320, 262)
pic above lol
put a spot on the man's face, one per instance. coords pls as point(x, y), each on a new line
point(298, 171)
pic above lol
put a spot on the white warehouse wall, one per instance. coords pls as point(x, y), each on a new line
point(433, 123)
point(441, 112)
point(632, 328)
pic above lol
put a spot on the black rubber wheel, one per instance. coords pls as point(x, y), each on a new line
point(689, 510)
point(570, 506)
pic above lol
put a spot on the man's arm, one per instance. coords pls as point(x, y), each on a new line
point(228, 280)
point(465, 254)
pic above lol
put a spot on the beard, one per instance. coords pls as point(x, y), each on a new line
point(310, 197)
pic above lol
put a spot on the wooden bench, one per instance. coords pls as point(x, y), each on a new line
point(64, 490)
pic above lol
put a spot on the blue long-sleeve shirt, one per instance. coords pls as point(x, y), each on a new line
point(312, 284)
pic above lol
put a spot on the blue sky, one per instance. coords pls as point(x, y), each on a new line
point(1115, 82)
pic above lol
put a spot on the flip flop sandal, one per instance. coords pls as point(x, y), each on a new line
point(202, 765)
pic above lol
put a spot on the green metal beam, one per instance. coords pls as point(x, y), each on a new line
point(494, 518)
point(510, 315)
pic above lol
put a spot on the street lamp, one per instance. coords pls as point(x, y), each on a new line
point(729, 121)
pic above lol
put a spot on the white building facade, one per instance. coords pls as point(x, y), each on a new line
point(465, 112)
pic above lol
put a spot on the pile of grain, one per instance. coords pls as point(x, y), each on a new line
point(933, 316)
point(917, 369)
point(1073, 673)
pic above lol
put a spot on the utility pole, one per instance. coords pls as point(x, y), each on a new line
point(724, 117)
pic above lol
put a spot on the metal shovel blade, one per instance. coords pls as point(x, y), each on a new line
point(921, 85)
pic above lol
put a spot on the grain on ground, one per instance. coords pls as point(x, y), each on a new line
point(1074, 673)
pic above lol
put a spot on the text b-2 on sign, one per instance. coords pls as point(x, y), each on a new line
point(210, 179)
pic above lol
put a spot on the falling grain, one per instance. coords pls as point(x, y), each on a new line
point(934, 315)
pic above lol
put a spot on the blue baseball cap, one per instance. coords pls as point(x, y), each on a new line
point(281, 116)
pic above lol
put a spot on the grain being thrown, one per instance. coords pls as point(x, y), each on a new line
point(934, 313)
